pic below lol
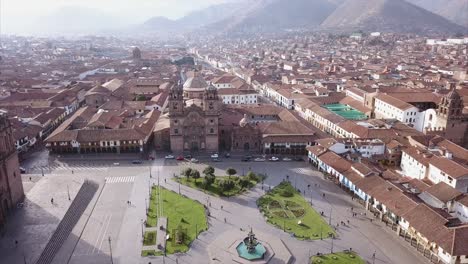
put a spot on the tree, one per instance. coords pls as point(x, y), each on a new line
point(187, 173)
point(209, 170)
point(230, 172)
point(140, 97)
point(208, 180)
point(244, 183)
point(252, 176)
point(195, 174)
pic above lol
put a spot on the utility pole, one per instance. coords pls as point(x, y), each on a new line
point(333, 239)
point(310, 193)
point(329, 219)
point(373, 258)
point(110, 247)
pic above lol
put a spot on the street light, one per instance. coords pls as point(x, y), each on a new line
point(110, 248)
point(142, 231)
point(310, 193)
point(68, 191)
point(329, 219)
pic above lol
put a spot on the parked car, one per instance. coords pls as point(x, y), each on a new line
point(169, 157)
point(188, 156)
point(298, 159)
point(227, 155)
point(151, 158)
point(246, 159)
point(215, 156)
point(22, 170)
point(137, 162)
point(273, 159)
point(194, 160)
point(287, 159)
point(180, 158)
point(116, 164)
point(216, 160)
point(259, 159)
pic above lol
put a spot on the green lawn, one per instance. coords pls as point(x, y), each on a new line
point(284, 207)
point(215, 188)
point(149, 238)
point(338, 258)
point(181, 212)
point(146, 253)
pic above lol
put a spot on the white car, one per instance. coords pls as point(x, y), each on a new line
point(287, 159)
point(194, 160)
point(215, 156)
point(259, 160)
point(169, 157)
point(274, 159)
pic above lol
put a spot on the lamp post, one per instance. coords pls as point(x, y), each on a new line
point(142, 231)
point(110, 248)
point(68, 191)
point(310, 193)
point(151, 176)
point(329, 219)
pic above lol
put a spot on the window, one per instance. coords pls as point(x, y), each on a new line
point(211, 130)
point(211, 121)
point(176, 131)
point(176, 121)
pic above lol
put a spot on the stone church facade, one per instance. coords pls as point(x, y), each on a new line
point(448, 120)
point(194, 117)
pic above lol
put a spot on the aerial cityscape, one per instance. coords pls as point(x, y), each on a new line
point(234, 131)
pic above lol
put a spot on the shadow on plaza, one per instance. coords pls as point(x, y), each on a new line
point(31, 227)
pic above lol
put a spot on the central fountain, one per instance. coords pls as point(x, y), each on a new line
point(250, 248)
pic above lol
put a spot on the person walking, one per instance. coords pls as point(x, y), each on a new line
point(52, 200)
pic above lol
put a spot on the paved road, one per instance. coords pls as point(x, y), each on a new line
point(113, 218)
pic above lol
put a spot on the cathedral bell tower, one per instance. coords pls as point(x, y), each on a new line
point(176, 101)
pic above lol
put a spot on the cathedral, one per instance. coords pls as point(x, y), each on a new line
point(194, 112)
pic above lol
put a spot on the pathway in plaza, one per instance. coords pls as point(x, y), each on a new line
point(242, 213)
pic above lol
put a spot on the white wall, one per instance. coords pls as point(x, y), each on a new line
point(412, 168)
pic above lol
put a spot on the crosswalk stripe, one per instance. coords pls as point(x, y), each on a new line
point(122, 179)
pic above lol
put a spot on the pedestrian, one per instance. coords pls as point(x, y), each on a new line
point(224, 219)
point(30, 179)
point(164, 180)
point(323, 195)
point(371, 220)
point(210, 204)
point(221, 207)
point(73, 172)
point(347, 221)
point(16, 243)
point(52, 200)
point(352, 209)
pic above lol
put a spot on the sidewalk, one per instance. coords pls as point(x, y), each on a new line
point(33, 225)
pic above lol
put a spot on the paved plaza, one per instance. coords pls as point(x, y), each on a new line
point(112, 225)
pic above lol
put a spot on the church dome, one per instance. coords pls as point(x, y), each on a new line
point(195, 83)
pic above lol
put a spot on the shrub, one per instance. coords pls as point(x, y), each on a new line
point(227, 185)
point(287, 193)
point(195, 174)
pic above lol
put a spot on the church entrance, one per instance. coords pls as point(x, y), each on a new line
point(195, 146)
point(247, 146)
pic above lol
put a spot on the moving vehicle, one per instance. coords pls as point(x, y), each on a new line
point(194, 160)
point(273, 159)
point(287, 159)
point(180, 158)
point(169, 157)
point(137, 162)
point(215, 156)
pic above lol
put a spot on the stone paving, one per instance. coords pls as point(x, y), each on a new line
point(119, 222)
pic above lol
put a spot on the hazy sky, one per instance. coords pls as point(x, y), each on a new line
point(16, 15)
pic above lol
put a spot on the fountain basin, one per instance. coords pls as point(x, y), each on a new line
point(258, 253)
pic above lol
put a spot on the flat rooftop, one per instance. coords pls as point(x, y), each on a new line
point(346, 111)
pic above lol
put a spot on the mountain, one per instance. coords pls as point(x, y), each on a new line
point(454, 10)
point(75, 20)
point(195, 19)
point(274, 15)
point(387, 15)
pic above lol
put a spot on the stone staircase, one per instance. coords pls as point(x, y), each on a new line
point(71, 217)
